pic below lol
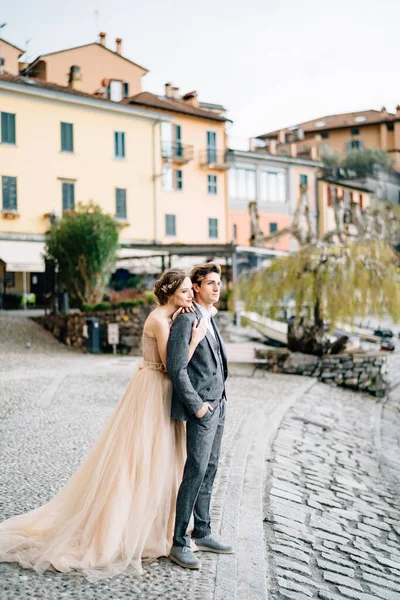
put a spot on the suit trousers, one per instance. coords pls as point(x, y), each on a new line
point(203, 445)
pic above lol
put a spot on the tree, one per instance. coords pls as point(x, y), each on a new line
point(83, 245)
point(330, 284)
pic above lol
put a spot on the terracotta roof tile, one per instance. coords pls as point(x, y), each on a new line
point(46, 85)
point(354, 119)
point(170, 104)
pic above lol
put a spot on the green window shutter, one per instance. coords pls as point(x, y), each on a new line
point(170, 225)
point(179, 179)
point(119, 144)
point(67, 137)
point(120, 203)
point(8, 128)
point(68, 195)
point(126, 90)
point(212, 184)
point(9, 191)
point(213, 228)
point(304, 179)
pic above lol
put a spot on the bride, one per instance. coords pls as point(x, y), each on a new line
point(119, 506)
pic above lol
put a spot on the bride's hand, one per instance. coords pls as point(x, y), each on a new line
point(199, 331)
point(180, 310)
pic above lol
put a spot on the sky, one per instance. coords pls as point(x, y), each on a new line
point(271, 64)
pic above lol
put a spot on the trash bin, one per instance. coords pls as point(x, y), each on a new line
point(93, 335)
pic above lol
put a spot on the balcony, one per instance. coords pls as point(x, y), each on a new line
point(176, 152)
point(214, 159)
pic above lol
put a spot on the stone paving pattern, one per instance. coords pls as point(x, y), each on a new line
point(307, 488)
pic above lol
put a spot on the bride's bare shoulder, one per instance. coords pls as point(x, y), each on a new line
point(155, 321)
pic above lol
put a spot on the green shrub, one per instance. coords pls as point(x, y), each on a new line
point(149, 297)
point(94, 307)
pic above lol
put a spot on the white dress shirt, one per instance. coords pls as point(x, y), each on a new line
point(207, 315)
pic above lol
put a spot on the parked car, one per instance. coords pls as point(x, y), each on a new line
point(383, 333)
point(387, 345)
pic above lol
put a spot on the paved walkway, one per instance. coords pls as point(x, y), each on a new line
point(306, 458)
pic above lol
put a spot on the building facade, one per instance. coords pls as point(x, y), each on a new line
point(340, 133)
point(156, 163)
point(273, 183)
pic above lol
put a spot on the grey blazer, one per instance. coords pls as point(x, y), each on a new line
point(203, 378)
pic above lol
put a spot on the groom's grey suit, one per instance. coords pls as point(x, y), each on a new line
point(201, 380)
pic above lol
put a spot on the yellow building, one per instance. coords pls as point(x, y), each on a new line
point(340, 133)
point(192, 198)
point(349, 196)
point(75, 126)
point(59, 147)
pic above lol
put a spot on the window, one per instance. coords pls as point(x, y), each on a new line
point(115, 91)
point(211, 146)
point(119, 142)
point(273, 227)
point(390, 126)
point(172, 179)
point(355, 131)
point(212, 184)
point(7, 128)
point(178, 179)
point(68, 195)
point(67, 137)
point(324, 135)
point(354, 145)
point(272, 187)
point(120, 203)
point(126, 90)
point(234, 233)
point(170, 225)
point(304, 179)
point(178, 140)
point(9, 189)
point(242, 184)
point(213, 228)
point(10, 279)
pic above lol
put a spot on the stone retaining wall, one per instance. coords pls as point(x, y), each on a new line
point(358, 371)
point(69, 328)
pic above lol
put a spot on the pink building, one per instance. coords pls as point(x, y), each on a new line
point(273, 182)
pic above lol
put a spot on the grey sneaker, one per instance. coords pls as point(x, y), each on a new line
point(184, 557)
point(211, 543)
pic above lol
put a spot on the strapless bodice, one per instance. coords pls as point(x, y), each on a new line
point(151, 356)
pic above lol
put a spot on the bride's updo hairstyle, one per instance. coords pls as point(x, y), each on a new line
point(168, 283)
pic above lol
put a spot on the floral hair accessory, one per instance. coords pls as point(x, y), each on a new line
point(165, 288)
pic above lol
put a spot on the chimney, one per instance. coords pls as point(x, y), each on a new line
point(102, 38)
point(2, 70)
point(281, 136)
point(118, 41)
point(293, 150)
point(398, 110)
point(75, 79)
point(191, 98)
point(175, 92)
point(168, 92)
point(272, 146)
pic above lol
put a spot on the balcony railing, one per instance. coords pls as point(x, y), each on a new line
point(214, 159)
point(177, 152)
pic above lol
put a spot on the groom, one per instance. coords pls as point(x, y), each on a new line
point(199, 398)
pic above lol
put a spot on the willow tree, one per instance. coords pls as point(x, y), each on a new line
point(330, 285)
point(83, 244)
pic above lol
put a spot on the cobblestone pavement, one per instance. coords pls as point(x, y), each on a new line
point(53, 404)
point(327, 494)
point(332, 514)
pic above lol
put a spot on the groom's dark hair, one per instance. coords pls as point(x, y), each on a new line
point(200, 271)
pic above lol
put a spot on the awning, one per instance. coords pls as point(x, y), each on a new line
point(22, 256)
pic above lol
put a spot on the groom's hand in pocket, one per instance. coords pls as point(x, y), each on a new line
point(200, 413)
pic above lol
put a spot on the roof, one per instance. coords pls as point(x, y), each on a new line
point(346, 184)
point(35, 85)
point(353, 119)
point(85, 46)
point(13, 45)
point(170, 104)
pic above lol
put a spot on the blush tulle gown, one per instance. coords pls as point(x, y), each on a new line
point(119, 506)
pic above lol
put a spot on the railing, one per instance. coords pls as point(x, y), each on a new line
point(214, 158)
point(176, 151)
